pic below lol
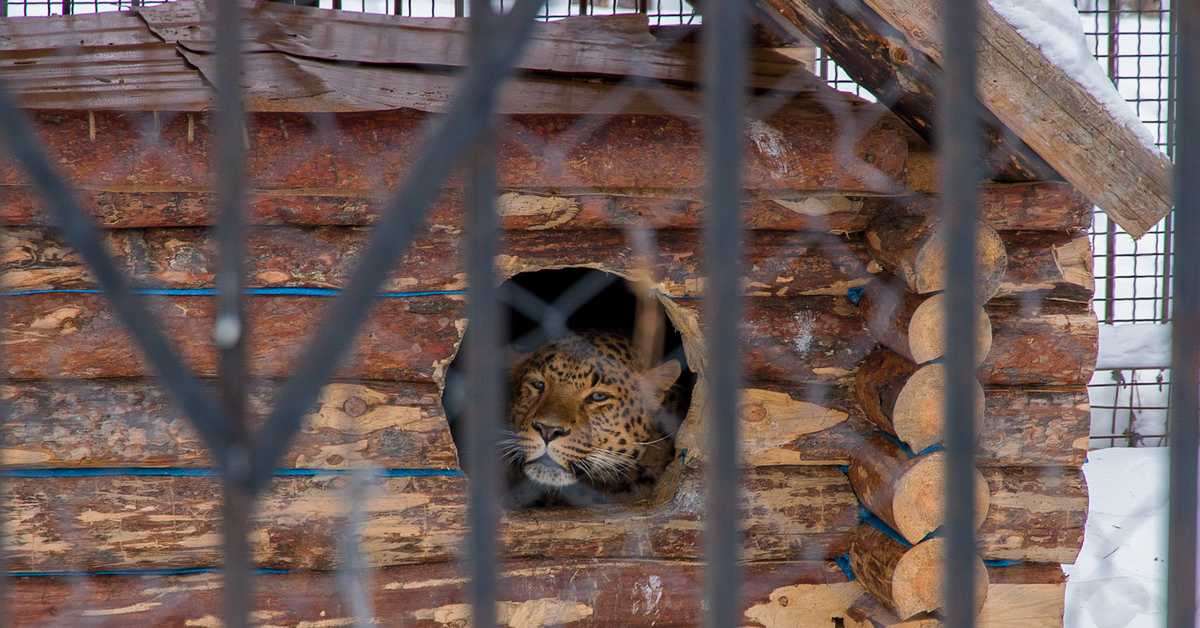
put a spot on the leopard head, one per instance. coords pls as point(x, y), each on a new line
point(582, 414)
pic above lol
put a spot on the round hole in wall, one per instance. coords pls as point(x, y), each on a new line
point(599, 387)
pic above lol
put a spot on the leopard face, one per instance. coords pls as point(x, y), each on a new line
point(583, 420)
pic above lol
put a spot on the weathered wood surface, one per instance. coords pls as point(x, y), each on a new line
point(915, 249)
point(914, 325)
point(610, 45)
point(906, 579)
point(1045, 206)
point(1049, 502)
point(907, 401)
point(879, 57)
point(1045, 106)
point(1008, 605)
point(1056, 266)
point(1048, 344)
point(781, 263)
point(133, 423)
point(795, 150)
point(907, 492)
point(532, 594)
point(131, 522)
point(794, 339)
point(117, 423)
point(1033, 206)
point(76, 336)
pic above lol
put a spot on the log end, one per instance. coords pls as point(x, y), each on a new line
point(927, 331)
point(917, 580)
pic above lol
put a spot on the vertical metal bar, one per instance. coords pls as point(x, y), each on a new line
point(1185, 334)
point(1110, 271)
point(484, 385)
point(959, 143)
point(229, 331)
point(725, 60)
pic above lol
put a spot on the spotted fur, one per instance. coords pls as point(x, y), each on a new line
point(585, 426)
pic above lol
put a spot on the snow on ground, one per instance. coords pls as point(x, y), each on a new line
point(1119, 578)
point(1055, 28)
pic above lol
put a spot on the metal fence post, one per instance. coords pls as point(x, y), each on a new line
point(725, 59)
point(959, 146)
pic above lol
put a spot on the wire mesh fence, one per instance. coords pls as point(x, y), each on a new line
point(572, 240)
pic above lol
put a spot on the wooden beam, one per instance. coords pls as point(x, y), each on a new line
point(879, 57)
point(1056, 115)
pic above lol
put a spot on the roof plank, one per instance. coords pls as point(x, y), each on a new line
point(614, 46)
point(1052, 112)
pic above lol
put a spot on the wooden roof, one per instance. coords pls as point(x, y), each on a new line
point(1040, 123)
point(1037, 115)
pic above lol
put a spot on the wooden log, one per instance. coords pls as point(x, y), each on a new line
point(780, 263)
point(1055, 266)
point(1050, 504)
point(907, 579)
point(1041, 206)
point(1035, 427)
point(1030, 206)
point(914, 325)
point(1047, 344)
point(1031, 598)
point(117, 522)
point(907, 492)
point(76, 336)
point(1124, 174)
point(118, 423)
point(791, 340)
point(783, 263)
point(905, 400)
point(531, 594)
point(133, 423)
point(914, 249)
point(374, 150)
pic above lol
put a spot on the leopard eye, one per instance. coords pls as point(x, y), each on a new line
point(598, 396)
point(538, 385)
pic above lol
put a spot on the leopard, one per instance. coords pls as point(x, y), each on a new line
point(586, 425)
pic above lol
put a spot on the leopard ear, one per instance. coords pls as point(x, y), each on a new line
point(657, 381)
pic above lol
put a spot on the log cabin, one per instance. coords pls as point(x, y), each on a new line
point(112, 508)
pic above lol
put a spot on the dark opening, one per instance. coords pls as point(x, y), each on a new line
point(549, 305)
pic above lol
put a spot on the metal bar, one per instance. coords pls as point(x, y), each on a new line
point(959, 143)
point(484, 388)
point(460, 128)
point(229, 331)
point(725, 55)
point(1185, 330)
point(198, 404)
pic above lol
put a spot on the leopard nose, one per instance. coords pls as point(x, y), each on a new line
point(550, 432)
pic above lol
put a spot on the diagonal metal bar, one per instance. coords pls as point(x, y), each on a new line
point(195, 400)
point(959, 148)
point(1185, 332)
point(457, 130)
point(725, 65)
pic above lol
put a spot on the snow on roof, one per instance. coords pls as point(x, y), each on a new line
point(1055, 28)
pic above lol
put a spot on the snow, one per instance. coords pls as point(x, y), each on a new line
point(1138, 346)
point(1119, 578)
point(1055, 28)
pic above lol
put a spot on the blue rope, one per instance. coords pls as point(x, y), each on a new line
point(207, 292)
point(843, 561)
point(88, 472)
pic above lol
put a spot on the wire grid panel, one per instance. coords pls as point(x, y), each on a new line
point(369, 505)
